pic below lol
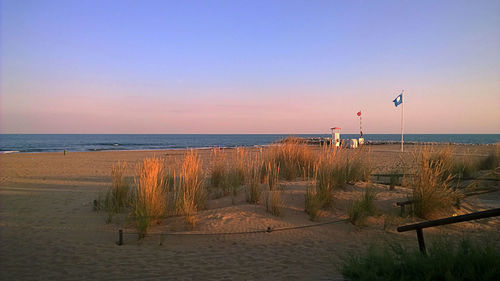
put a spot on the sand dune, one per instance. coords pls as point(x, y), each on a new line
point(48, 229)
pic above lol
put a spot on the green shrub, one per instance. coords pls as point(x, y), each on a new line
point(445, 261)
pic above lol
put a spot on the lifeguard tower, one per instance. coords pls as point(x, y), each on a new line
point(335, 136)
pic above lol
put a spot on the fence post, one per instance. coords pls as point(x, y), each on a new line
point(120, 237)
point(421, 242)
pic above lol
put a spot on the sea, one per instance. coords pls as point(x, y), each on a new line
point(29, 143)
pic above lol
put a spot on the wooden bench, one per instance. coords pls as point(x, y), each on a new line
point(403, 204)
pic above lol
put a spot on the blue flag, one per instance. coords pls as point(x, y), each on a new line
point(398, 100)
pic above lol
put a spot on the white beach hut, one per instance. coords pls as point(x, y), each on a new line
point(335, 136)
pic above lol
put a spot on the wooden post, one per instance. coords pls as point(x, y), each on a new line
point(120, 237)
point(421, 242)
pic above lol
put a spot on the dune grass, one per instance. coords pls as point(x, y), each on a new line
point(190, 194)
point(492, 161)
point(227, 176)
point(239, 169)
point(218, 169)
point(274, 202)
point(149, 202)
point(116, 198)
point(272, 171)
point(312, 202)
point(362, 208)
point(118, 195)
point(253, 186)
point(431, 190)
point(466, 260)
point(335, 169)
point(293, 156)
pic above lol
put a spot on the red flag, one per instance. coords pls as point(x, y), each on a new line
point(359, 113)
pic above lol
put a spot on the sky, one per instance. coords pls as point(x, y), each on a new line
point(289, 67)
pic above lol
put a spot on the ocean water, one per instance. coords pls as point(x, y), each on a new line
point(50, 143)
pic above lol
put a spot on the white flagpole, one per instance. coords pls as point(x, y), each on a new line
point(402, 119)
point(360, 129)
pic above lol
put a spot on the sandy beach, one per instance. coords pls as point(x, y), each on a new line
point(49, 230)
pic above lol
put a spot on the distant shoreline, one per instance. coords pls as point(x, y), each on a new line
point(73, 143)
point(375, 144)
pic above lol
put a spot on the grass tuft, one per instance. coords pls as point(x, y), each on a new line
point(149, 197)
point(218, 167)
point(190, 194)
point(362, 208)
point(274, 202)
point(272, 171)
point(466, 260)
point(312, 202)
point(492, 161)
point(253, 187)
point(432, 194)
point(293, 156)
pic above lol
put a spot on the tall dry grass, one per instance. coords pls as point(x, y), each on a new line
point(253, 186)
point(218, 169)
point(227, 176)
point(241, 162)
point(149, 201)
point(293, 156)
point(274, 202)
point(190, 194)
point(272, 171)
point(337, 168)
point(431, 190)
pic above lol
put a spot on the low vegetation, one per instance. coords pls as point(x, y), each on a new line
point(466, 260)
point(116, 198)
point(313, 202)
point(362, 208)
point(492, 161)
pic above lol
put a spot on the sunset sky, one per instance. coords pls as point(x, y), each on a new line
point(286, 67)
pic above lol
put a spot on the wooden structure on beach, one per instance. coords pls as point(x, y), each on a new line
point(335, 136)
